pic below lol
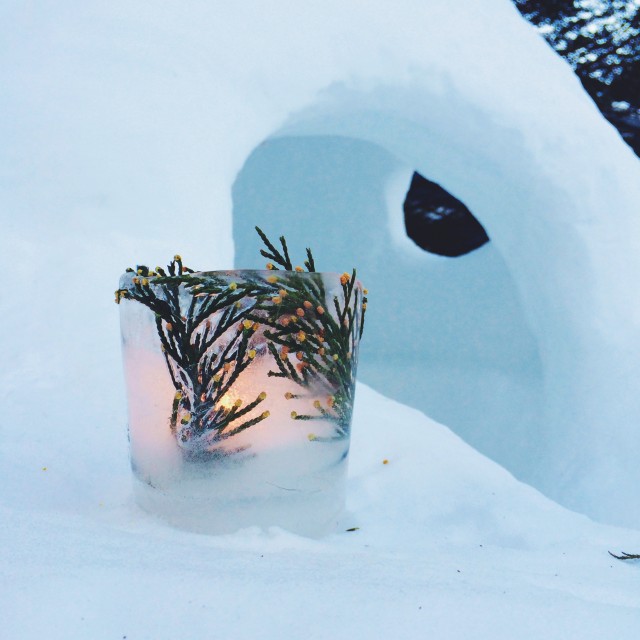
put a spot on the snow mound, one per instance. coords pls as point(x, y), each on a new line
point(439, 524)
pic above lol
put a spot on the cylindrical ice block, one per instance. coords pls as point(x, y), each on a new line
point(240, 390)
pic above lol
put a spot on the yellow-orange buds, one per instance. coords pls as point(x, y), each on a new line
point(238, 403)
point(344, 278)
point(282, 292)
point(299, 355)
point(136, 281)
point(331, 401)
point(365, 292)
point(270, 266)
point(276, 300)
point(177, 258)
point(217, 377)
point(294, 415)
point(185, 418)
point(139, 272)
point(227, 367)
point(255, 326)
point(300, 312)
point(169, 326)
point(252, 353)
point(284, 351)
point(320, 310)
point(262, 396)
point(289, 395)
point(321, 351)
point(335, 356)
point(307, 304)
point(285, 321)
point(272, 279)
point(145, 282)
point(302, 336)
point(364, 305)
point(178, 395)
point(317, 404)
point(247, 324)
point(299, 269)
point(312, 437)
point(203, 397)
point(265, 415)
point(233, 286)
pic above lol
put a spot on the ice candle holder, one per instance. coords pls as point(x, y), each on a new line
point(240, 388)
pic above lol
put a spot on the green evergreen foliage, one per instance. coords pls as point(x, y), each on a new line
point(324, 343)
point(625, 556)
point(211, 328)
point(204, 359)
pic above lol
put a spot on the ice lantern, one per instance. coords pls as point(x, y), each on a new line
point(240, 390)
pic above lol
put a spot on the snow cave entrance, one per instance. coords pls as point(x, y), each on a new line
point(445, 335)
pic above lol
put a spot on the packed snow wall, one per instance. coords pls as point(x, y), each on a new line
point(448, 336)
point(528, 348)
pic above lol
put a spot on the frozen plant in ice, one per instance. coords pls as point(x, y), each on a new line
point(322, 344)
point(206, 341)
point(213, 326)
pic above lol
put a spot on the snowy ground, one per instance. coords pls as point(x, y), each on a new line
point(449, 545)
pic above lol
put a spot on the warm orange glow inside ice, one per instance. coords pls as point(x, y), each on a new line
point(228, 401)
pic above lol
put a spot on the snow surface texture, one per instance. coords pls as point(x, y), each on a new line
point(124, 127)
point(449, 545)
point(530, 347)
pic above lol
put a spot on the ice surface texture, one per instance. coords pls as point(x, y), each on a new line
point(241, 388)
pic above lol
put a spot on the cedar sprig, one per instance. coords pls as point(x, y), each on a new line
point(203, 358)
point(625, 556)
point(323, 346)
point(271, 253)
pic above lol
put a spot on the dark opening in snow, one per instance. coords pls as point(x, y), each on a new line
point(439, 223)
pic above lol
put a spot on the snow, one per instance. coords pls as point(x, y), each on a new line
point(448, 544)
point(535, 337)
point(134, 130)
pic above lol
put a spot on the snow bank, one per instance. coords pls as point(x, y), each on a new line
point(529, 348)
point(448, 544)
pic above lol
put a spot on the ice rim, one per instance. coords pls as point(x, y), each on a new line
point(213, 324)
